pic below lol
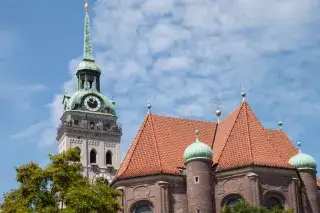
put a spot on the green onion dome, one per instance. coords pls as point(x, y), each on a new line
point(303, 161)
point(197, 150)
point(88, 65)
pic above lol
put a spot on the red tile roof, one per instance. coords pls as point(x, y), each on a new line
point(159, 145)
point(238, 140)
point(242, 141)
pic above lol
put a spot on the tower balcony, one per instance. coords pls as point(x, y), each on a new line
point(85, 126)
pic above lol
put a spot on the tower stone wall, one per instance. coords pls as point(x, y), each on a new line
point(90, 132)
point(89, 120)
point(310, 202)
point(199, 186)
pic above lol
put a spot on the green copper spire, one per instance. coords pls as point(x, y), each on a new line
point(88, 62)
point(87, 48)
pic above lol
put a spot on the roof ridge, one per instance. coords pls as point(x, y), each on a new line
point(269, 141)
point(188, 119)
point(214, 136)
point(283, 133)
point(155, 143)
point(266, 136)
point(228, 135)
point(133, 146)
point(248, 129)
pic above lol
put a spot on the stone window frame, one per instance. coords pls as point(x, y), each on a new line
point(109, 152)
point(275, 194)
point(137, 203)
point(96, 154)
point(229, 197)
point(196, 179)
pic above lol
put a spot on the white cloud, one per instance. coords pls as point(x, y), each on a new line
point(206, 48)
point(30, 132)
point(173, 63)
point(14, 92)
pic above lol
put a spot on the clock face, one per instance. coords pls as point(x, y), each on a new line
point(92, 103)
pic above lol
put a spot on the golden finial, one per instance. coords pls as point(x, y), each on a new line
point(86, 6)
point(218, 111)
point(197, 135)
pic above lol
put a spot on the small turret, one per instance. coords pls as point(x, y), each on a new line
point(306, 166)
point(198, 160)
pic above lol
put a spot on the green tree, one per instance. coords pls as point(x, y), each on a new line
point(243, 207)
point(59, 188)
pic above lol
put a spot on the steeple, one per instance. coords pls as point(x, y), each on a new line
point(87, 44)
point(88, 72)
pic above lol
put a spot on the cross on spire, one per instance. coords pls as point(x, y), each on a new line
point(217, 101)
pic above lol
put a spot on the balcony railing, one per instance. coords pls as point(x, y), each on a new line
point(90, 126)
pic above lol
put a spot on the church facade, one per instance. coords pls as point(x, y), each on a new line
point(168, 169)
point(171, 169)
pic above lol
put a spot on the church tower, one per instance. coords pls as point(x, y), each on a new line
point(89, 120)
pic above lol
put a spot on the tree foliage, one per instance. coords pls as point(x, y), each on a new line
point(243, 207)
point(59, 188)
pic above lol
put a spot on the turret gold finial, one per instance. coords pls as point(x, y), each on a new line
point(197, 134)
point(218, 114)
point(86, 6)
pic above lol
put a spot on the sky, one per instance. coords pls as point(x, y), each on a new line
point(179, 54)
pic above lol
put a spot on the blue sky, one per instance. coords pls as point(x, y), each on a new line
point(180, 54)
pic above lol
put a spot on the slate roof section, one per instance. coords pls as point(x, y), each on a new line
point(239, 140)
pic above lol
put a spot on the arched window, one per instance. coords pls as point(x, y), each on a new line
point(109, 157)
point(231, 199)
point(142, 207)
point(273, 201)
point(93, 156)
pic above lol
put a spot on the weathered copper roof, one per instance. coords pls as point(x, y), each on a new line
point(237, 141)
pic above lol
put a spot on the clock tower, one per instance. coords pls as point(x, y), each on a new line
point(89, 120)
